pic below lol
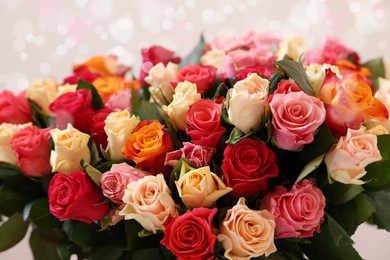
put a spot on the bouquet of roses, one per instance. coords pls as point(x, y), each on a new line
point(252, 147)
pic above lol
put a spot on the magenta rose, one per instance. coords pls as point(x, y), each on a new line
point(204, 123)
point(114, 182)
point(96, 127)
point(202, 76)
point(153, 55)
point(298, 212)
point(74, 108)
point(247, 166)
point(14, 109)
point(191, 236)
point(32, 149)
point(198, 155)
point(83, 73)
point(295, 119)
point(76, 197)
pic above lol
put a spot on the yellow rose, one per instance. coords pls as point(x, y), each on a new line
point(185, 95)
point(293, 46)
point(119, 125)
point(43, 92)
point(66, 88)
point(200, 188)
point(7, 131)
point(70, 147)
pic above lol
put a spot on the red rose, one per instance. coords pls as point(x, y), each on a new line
point(204, 125)
point(190, 236)
point(82, 73)
point(76, 197)
point(32, 149)
point(202, 76)
point(96, 127)
point(74, 108)
point(14, 109)
point(285, 87)
point(298, 212)
point(153, 55)
point(243, 73)
point(247, 166)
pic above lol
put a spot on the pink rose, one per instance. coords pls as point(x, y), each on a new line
point(32, 149)
point(297, 213)
point(244, 72)
point(191, 236)
point(96, 127)
point(247, 166)
point(204, 123)
point(114, 182)
point(202, 76)
point(198, 155)
point(76, 197)
point(295, 119)
point(348, 158)
point(285, 87)
point(14, 109)
point(120, 100)
point(153, 55)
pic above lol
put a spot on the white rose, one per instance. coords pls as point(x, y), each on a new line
point(70, 147)
point(293, 46)
point(7, 131)
point(119, 125)
point(213, 58)
point(316, 74)
point(185, 95)
point(247, 102)
point(43, 92)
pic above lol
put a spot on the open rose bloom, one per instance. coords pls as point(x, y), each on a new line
point(255, 146)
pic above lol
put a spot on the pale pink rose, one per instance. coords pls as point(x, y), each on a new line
point(242, 58)
point(354, 151)
point(120, 100)
point(296, 118)
point(198, 155)
point(298, 212)
point(227, 43)
point(115, 218)
point(247, 233)
point(149, 202)
point(115, 181)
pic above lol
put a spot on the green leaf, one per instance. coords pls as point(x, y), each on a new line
point(212, 90)
point(297, 72)
point(339, 193)
point(275, 79)
point(81, 233)
point(38, 213)
point(382, 208)
point(42, 248)
point(377, 68)
point(93, 173)
point(14, 178)
point(195, 55)
point(383, 146)
point(144, 109)
point(159, 252)
point(66, 249)
point(310, 167)
point(12, 231)
point(15, 200)
point(134, 242)
point(106, 252)
point(95, 158)
point(96, 101)
point(237, 135)
point(332, 243)
point(39, 118)
point(365, 207)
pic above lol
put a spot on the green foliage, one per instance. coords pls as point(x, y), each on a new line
point(377, 68)
point(96, 101)
point(12, 231)
point(38, 213)
point(196, 53)
point(382, 208)
point(144, 109)
point(42, 247)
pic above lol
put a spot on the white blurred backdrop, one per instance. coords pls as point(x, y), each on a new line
point(44, 38)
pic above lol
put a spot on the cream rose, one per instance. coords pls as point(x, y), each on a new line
point(119, 125)
point(316, 74)
point(345, 162)
point(213, 58)
point(149, 202)
point(247, 233)
point(293, 46)
point(200, 188)
point(70, 147)
point(185, 95)
point(66, 88)
point(247, 102)
point(43, 92)
point(7, 131)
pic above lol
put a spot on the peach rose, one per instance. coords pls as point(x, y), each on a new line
point(149, 202)
point(43, 91)
point(200, 188)
point(247, 233)
point(7, 131)
point(247, 102)
point(70, 147)
point(109, 86)
point(354, 151)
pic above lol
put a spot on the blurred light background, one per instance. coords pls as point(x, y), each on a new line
point(44, 38)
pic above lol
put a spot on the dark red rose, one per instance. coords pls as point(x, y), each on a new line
point(83, 73)
point(190, 236)
point(76, 197)
point(202, 76)
point(32, 149)
point(96, 127)
point(247, 166)
point(204, 126)
point(74, 108)
point(153, 55)
point(14, 109)
point(243, 73)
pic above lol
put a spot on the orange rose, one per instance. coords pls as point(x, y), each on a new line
point(108, 86)
point(105, 66)
point(349, 102)
point(147, 146)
